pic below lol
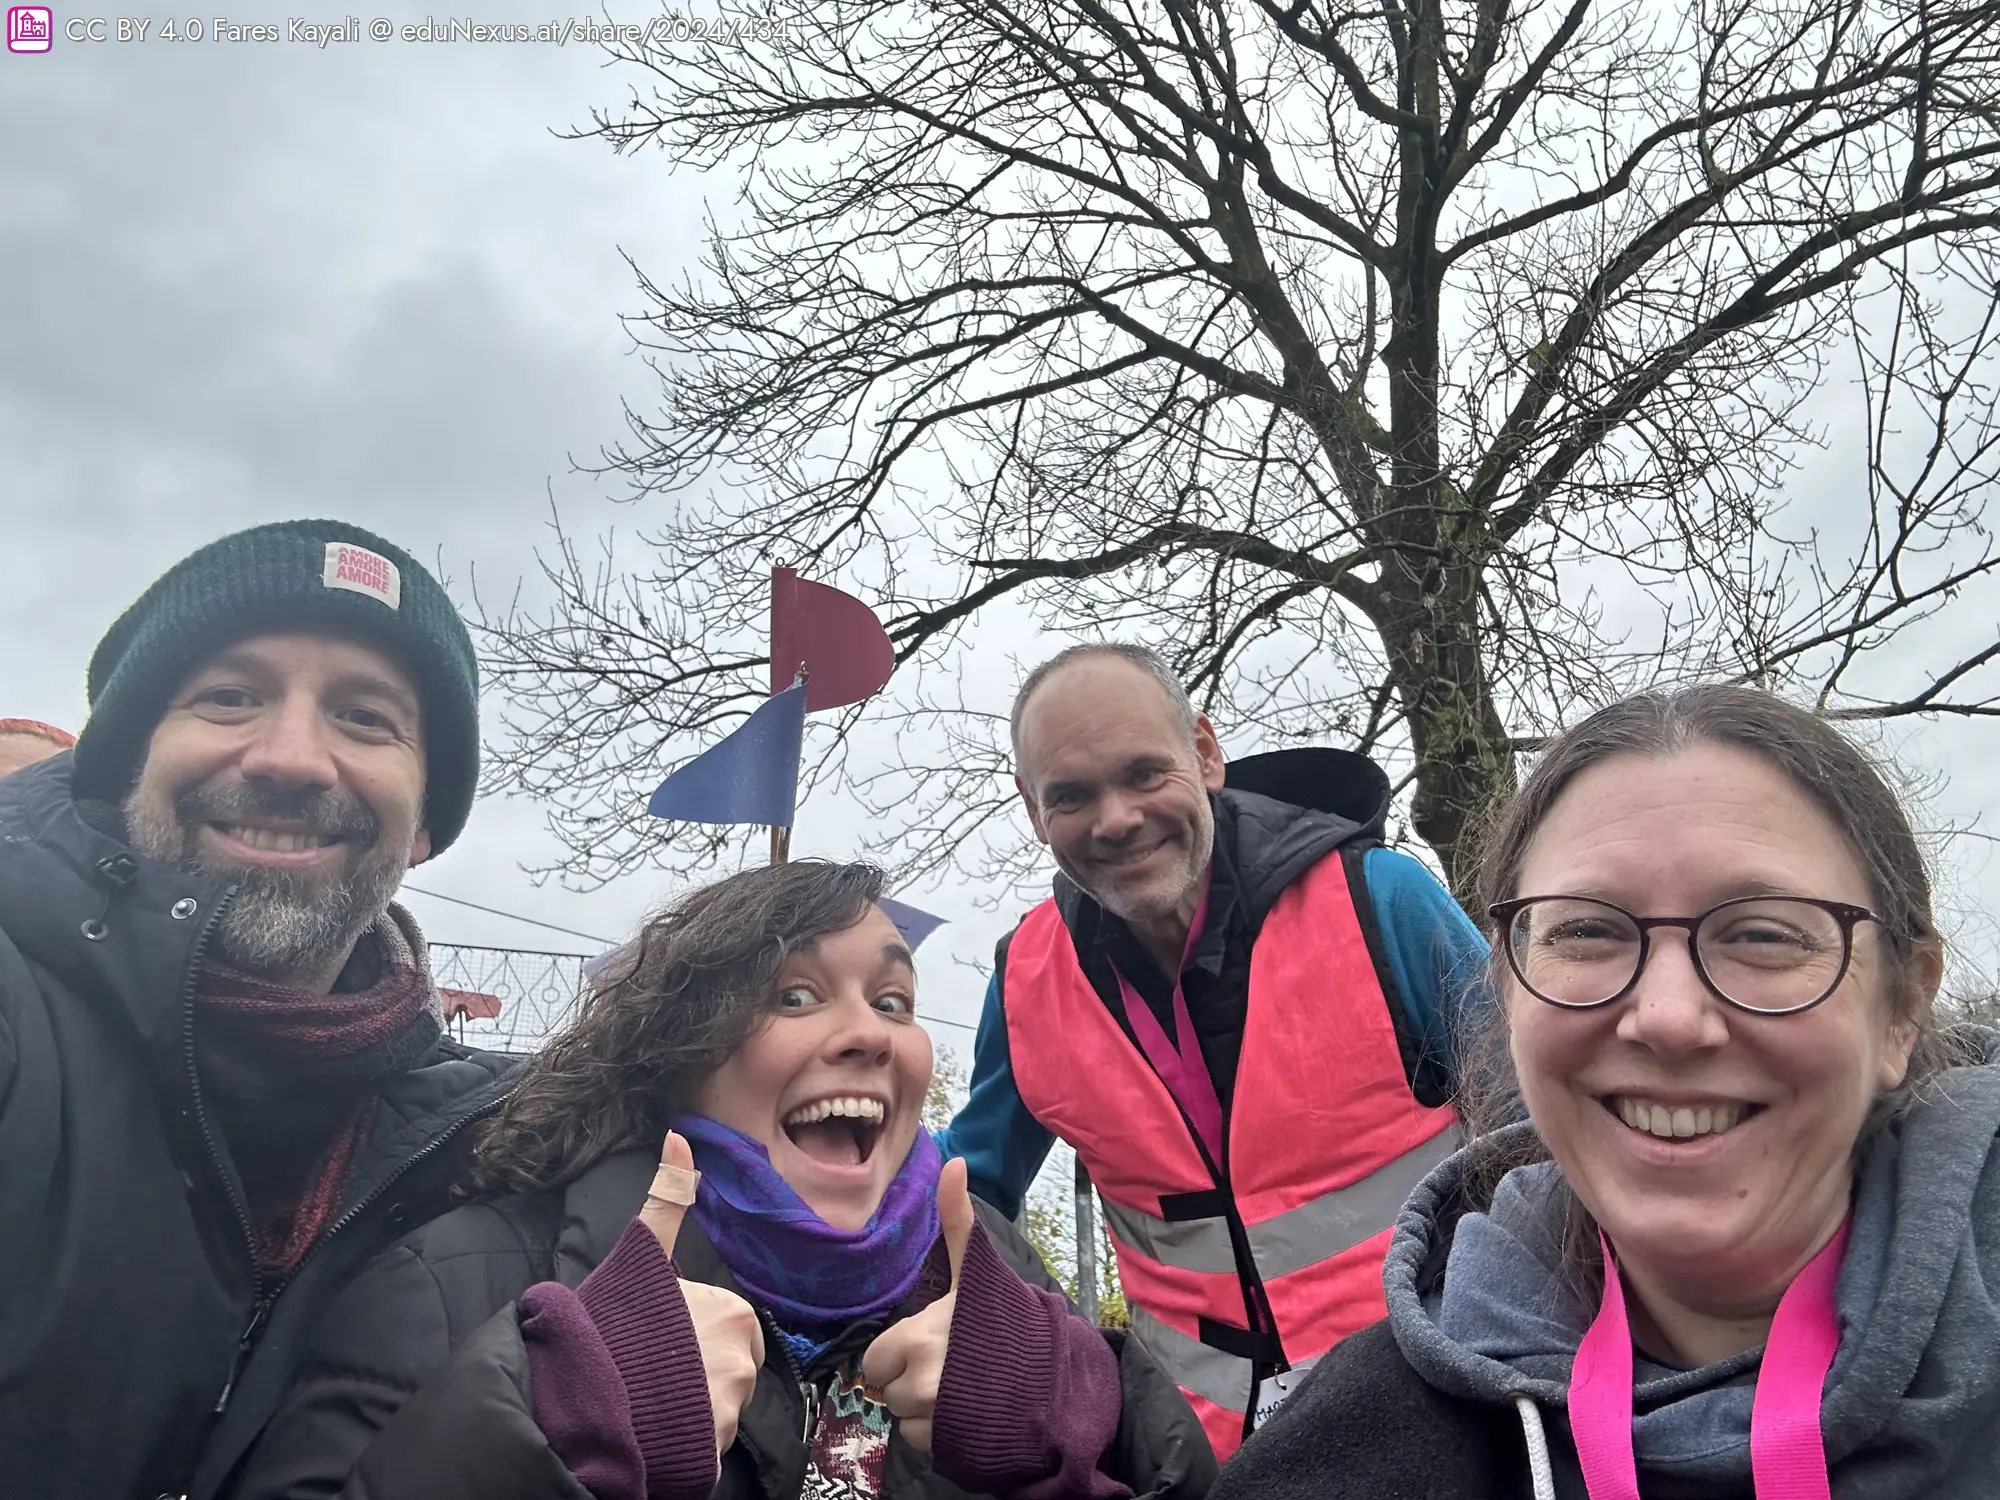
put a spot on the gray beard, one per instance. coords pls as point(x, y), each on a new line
point(1151, 911)
point(274, 928)
point(277, 926)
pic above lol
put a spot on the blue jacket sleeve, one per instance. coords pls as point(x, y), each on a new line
point(1003, 1145)
point(1437, 958)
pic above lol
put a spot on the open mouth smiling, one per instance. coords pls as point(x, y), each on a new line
point(1123, 857)
point(838, 1131)
point(1669, 1121)
point(276, 840)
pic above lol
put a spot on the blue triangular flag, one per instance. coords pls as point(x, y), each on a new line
point(751, 777)
point(914, 925)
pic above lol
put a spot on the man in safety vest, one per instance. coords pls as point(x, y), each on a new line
point(1237, 1007)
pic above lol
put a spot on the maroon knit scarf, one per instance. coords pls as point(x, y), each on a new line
point(292, 1077)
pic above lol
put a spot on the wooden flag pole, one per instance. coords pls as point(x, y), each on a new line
point(781, 838)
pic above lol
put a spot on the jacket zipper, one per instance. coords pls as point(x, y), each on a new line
point(263, 1297)
point(260, 1303)
point(430, 1148)
point(775, 1340)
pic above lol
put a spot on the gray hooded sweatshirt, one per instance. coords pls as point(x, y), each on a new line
point(1912, 1403)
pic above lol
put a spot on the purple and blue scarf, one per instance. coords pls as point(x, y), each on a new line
point(816, 1280)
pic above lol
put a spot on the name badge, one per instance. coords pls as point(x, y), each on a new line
point(1274, 1391)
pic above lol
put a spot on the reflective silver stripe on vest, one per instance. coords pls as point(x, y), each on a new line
point(1186, 1245)
point(1337, 1221)
point(1295, 1239)
point(1192, 1365)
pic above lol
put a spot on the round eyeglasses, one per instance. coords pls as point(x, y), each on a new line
point(1773, 955)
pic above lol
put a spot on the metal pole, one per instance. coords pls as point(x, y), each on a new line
point(781, 845)
point(1086, 1244)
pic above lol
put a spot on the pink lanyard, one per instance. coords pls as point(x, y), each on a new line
point(1179, 1062)
point(1787, 1454)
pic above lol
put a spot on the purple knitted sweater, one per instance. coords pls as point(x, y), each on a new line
point(1027, 1405)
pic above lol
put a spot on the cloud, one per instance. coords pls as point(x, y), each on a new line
point(247, 282)
point(266, 280)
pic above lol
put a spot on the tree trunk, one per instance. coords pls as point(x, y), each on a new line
point(1464, 754)
point(1430, 575)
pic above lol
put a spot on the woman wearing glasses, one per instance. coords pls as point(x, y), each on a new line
point(1747, 1242)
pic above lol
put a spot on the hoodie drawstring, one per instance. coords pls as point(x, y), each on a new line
point(1539, 1471)
point(118, 872)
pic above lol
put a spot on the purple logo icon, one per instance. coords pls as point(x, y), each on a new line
point(30, 28)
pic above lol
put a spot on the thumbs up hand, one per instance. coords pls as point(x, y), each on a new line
point(725, 1326)
point(905, 1363)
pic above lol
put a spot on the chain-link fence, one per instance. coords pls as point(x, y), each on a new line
point(536, 991)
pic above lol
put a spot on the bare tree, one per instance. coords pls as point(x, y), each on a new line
point(1412, 371)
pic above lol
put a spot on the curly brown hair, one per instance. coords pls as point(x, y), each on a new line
point(672, 1007)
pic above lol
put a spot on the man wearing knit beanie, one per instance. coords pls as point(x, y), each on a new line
point(224, 1080)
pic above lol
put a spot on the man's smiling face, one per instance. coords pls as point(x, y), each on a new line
point(292, 766)
point(1118, 790)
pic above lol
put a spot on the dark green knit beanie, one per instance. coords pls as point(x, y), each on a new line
point(289, 576)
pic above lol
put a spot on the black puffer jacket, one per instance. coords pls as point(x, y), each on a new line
point(352, 1426)
point(139, 1355)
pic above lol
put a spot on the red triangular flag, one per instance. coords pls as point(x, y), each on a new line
point(469, 1003)
point(834, 636)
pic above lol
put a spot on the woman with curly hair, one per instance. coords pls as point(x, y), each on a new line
point(794, 1297)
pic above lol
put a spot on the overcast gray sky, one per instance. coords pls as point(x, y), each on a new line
point(246, 281)
point(252, 281)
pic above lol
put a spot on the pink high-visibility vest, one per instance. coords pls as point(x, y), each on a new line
point(1324, 1142)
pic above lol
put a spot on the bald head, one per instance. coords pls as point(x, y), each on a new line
point(1117, 785)
point(1139, 658)
point(23, 742)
